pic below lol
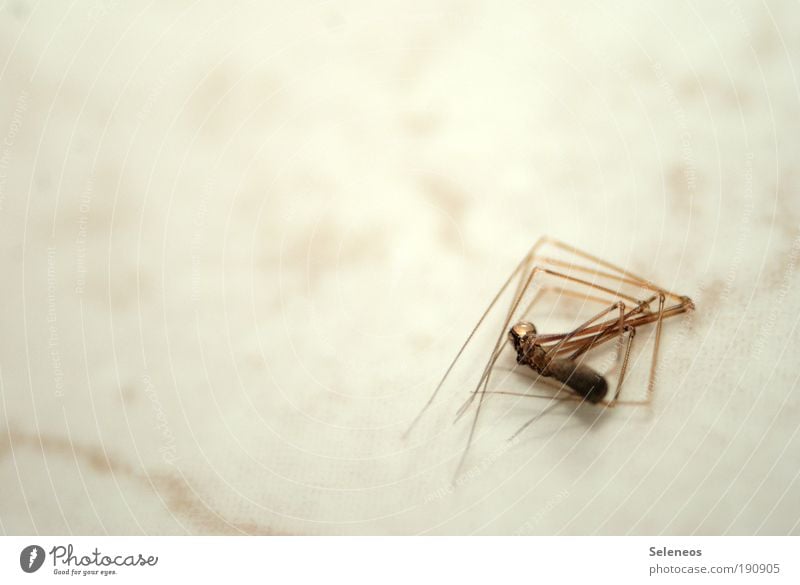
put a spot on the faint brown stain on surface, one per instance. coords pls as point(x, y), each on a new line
point(333, 17)
point(214, 95)
point(227, 96)
point(711, 292)
point(422, 342)
point(95, 457)
point(642, 70)
point(780, 209)
point(716, 91)
point(180, 497)
point(767, 40)
point(127, 394)
point(445, 195)
point(183, 500)
point(18, 10)
point(328, 246)
point(255, 360)
point(418, 56)
point(127, 288)
point(421, 122)
point(782, 270)
point(103, 205)
point(123, 291)
point(424, 39)
point(683, 183)
point(450, 199)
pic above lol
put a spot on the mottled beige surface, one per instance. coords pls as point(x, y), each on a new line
point(240, 245)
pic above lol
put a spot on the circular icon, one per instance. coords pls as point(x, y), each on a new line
point(31, 558)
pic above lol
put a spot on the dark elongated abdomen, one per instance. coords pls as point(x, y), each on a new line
point(582, 379)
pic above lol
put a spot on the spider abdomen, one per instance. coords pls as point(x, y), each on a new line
point(582, 379)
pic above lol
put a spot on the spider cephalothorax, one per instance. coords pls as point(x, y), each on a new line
point(582, 379)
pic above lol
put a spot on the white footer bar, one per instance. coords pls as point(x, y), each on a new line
point(401, 560)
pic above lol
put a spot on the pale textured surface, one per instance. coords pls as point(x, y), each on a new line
point(240, 247)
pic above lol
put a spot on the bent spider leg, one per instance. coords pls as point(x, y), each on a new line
point(578, 341)
point(484, 381)
point(631, 334)
point(520, 292)
point(540, 293)
point(623, 278)
point(656, 345)
point(534, 419)
point(523, 264)
point(495, 353)
point(606, 334)
point(585, 255)
point(619, 305)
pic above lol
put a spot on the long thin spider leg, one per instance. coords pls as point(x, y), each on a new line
point(597, 338)
point(575, 279)
point(685, 303)
point(631, 333)
point(570, 397)
point(580, 340)
point(482, 394)
point(521, 291)
point(653, 363)
point(623, 370)
point(618, 306)
point(534, 271)
point(582, 254)
point(656, 345)
point(562, 338)
point(562, 392)
point(571, 293)
point(554, 399)
point(633, 321)
point(484, 381)
point(502, 340)
point(522, 265)
point(625, 277)
point(535, 418)
point(661, 315)
point(607, 332)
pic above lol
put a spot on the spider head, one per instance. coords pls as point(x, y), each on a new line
point(521, 336)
